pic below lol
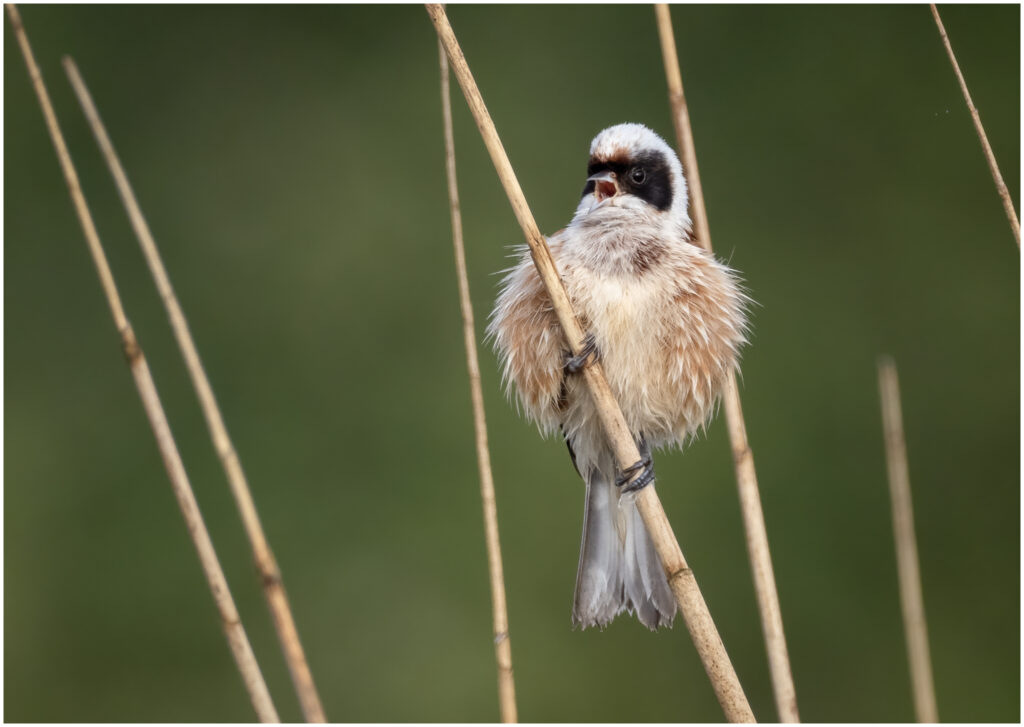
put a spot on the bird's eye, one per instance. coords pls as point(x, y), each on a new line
point(638, 175)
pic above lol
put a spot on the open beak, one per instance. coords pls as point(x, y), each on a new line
point(606, 186)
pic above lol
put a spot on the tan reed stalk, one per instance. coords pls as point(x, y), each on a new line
point(681, 120)
point(684, 585)
point(239, 643)
point(502, 640)
point(743, 457)
point(911, 597)
point(1004, 193)
point(270, 574)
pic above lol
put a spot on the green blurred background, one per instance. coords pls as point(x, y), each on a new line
point(290, 162)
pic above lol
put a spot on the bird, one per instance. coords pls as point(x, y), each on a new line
point(666, 320)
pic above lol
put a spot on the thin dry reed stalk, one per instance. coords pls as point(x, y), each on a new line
point(908, 567)
point(230, 621)
point(502, 640)
point(743, 456)
point(1004, 193)
point(270, 574)
point(684, 585)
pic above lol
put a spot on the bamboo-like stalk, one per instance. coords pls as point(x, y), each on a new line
point(502, 640)
point(990, 157)
point(743, 457)
point(684, 585)
point(239, 643)
point(681, 120)
point(270, 574)
point(907, 563)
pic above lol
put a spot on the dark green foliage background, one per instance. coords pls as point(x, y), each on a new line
point(290, 163)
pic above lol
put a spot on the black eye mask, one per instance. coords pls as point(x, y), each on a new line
point(656, 187)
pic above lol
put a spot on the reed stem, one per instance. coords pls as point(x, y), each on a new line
point(680, 577)
point(911, 597)
point(270, 574)
point(990, 157)
point(502, 641)
point(747, 479)
point(743, 457)
point(237, 640)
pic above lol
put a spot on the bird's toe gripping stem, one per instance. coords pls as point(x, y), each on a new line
point(587, 355)
point(646, 468)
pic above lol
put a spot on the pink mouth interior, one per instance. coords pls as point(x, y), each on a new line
point(604, 190)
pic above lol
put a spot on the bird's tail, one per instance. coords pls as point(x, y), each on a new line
point(619, 568)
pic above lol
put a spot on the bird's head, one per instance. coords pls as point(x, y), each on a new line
point(632, 168)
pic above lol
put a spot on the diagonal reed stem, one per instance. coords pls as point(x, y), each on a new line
point(990, 157)
point(680, 577)
point(743, 457)
point(270, 575)
point(907, 563)
point(502, 641)
point(239, 643)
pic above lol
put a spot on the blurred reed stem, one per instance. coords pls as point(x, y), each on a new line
point(908, 567)
point(990, 157)
point(743, 456)
point(270, 574)
point(230, 621)
point(680, 577)
point(502, 640)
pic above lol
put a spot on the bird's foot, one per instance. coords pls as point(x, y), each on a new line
point(646, 469)
point(587, 355)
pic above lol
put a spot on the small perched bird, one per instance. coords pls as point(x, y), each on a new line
point(666, 320)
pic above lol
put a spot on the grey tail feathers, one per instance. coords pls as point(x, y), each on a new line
point(619, 569)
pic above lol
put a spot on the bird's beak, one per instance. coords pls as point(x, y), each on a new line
point(606, 186)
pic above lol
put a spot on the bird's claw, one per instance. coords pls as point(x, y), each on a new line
point(646, 468)
point(586, 356)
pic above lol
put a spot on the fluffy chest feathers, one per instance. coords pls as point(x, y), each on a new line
point(668, 322)
point(621, 312)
